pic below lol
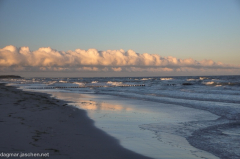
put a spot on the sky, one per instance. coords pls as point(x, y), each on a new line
point(120, 38)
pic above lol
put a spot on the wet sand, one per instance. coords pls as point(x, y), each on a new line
point(36, 123)
point(152, 129)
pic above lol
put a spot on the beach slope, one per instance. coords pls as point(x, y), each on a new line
point(36, 123)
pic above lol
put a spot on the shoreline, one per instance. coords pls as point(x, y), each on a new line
point(68, 116)
point(37, 123)
point(131, 116)
point(203, 134)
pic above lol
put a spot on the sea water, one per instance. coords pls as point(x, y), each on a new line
point(161, 117)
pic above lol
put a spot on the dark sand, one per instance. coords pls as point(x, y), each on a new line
point(35, 122)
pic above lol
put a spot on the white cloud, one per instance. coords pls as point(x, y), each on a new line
point(117, 69)
point(48, 59)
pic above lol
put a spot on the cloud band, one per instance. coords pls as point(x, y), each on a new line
point(48, 59)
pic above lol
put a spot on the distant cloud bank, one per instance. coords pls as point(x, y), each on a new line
point(92, 60)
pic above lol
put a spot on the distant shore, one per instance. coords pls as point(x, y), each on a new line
point(9, 76)
point(36, 124)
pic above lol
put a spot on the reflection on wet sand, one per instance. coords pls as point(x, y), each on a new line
point(92, 105)
point(85, 102)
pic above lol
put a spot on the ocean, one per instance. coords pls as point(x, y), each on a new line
point(160, 117)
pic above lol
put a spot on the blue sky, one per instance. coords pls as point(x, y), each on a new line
point(198, 29)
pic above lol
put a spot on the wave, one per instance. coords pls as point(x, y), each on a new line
point(166, 79)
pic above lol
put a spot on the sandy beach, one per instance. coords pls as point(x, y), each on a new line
point(36, 123)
